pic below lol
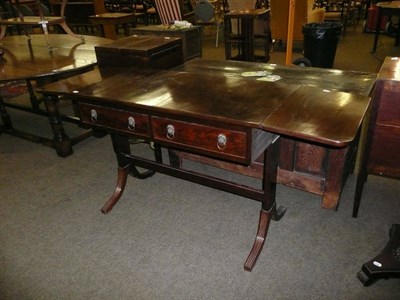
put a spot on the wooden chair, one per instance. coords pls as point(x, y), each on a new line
point(174, 10)
point(40, 20)
point(120, 5)
point(209, 14)
point(341, 11)
point(76, 14)
point(146, 7)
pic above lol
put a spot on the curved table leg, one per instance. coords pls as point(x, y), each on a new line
point(268, 209)
point(119, 189)
point(263, 224)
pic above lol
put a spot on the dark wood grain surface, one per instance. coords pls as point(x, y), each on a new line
point(29, 60)
point(309, 113)
point(330, 79)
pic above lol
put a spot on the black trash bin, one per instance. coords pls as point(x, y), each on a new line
point(320, 43)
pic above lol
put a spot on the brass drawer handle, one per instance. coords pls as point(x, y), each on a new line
point(131, 124)
point(221, 141)
point(170, 131)
point(93, 115)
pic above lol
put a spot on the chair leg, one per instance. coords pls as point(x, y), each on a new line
point(344, 28)
point(216, 39)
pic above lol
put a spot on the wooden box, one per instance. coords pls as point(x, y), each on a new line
point(384, 156)
point(191, 38)
point(141, 51)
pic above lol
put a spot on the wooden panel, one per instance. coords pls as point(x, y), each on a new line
point(389, 111)
point(310, 159)
point(302, 181)
point(385, 154)
point(287, 151)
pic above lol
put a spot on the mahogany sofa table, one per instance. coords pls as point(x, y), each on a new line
point(32, 60)
point(228, 119)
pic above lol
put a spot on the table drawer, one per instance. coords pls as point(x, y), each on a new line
point(115, 119)
point(212, 141)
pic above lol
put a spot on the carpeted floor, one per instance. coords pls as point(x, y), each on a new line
point(171, 239)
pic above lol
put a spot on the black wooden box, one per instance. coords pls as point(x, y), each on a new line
point(191, 37)
point(141, 51)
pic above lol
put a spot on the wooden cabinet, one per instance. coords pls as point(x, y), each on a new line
point(141, 51)
point(191, 38)
point(381, 155)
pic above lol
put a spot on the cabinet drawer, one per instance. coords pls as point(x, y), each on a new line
point(114, 119)
point(212, 141)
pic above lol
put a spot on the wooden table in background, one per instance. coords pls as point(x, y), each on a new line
point(32, 60)
point(389, 8)
point(240, 32)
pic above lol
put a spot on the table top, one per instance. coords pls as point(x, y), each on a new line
point(246, 13)
point(390, 69)
point(310, 113)
point(24, 60)
point(330, 79)
point(389, 4)
point(115, 15)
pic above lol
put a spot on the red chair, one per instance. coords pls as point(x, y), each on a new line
point(173, 10)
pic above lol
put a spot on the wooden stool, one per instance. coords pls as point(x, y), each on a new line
point(242, 36)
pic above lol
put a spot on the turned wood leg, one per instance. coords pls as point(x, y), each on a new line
point(119, 189)
point(263, 224)
point(61, 141)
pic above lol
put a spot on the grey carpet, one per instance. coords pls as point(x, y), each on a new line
point(171, 239)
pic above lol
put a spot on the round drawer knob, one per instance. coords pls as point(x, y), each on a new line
point(93, 115)
point(221, 141)
point(131, 123)
point(170, 131)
